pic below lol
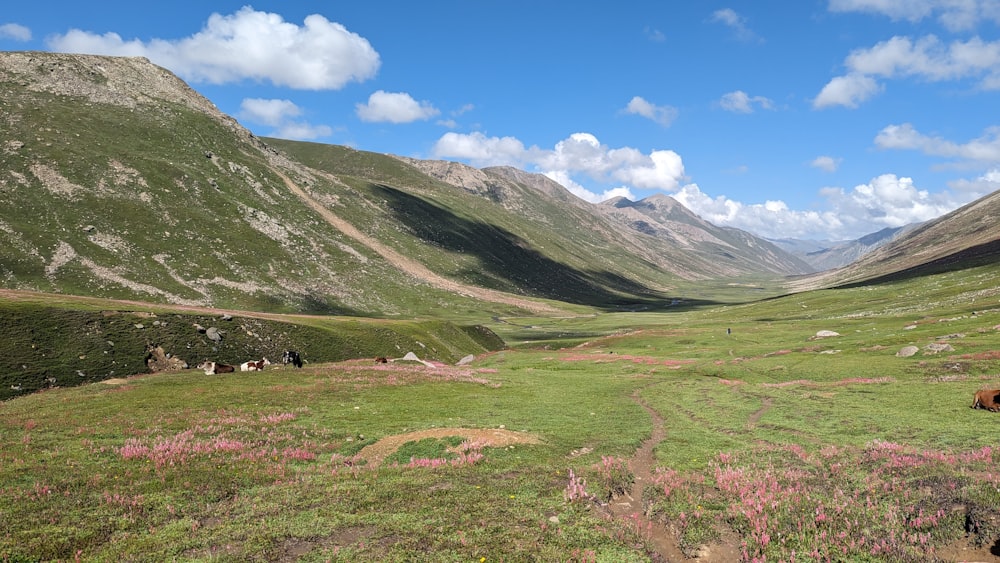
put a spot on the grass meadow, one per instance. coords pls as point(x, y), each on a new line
point(784, 445)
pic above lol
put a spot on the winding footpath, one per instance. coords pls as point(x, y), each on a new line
point(629, 506)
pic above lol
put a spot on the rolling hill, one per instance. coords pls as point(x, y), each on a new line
point(120, 181)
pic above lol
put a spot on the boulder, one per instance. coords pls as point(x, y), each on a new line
point(907, 351)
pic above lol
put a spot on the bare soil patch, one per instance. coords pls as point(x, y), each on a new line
point(115, 381)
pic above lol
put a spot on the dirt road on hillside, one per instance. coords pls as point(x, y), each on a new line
point(409, 266)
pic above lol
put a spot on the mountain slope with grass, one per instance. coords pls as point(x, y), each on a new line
point(120, 181)
point(965, 238)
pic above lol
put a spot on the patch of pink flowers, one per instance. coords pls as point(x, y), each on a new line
point(576, 489)
point(466, 453)
point(789, 504)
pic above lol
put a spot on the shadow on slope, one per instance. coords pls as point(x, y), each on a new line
point(509, 263)
point(979, 255)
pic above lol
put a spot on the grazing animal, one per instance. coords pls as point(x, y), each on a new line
point(212, 368)
point(988, 399)
point(292, 357)
point(381, 360)
point(255, 365)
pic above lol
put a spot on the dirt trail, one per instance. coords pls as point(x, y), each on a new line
point(630, 506)
point(408, 265)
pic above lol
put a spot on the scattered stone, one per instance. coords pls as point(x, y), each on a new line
point(466, 360)
point(826, 334)
point(214, 334)
point(140, 326)
point(158, 360)
point(907, 351)
point(227, 317)
point(938, 347)
point(199, 328)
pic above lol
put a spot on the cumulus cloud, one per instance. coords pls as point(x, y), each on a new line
point(281, 116)
point(955, 16)
point(395, 107)
point(579, 155)
point(15, 31)
point(885, 201)
point(740, 102)
point(926, 58)
point(563, 178)
point(825, 163)
point(664, 115)
point(247, 45)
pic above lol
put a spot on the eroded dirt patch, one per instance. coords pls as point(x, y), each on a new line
point(375, 453)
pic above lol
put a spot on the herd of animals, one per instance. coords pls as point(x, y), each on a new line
point(212, 367)
point(988, 399)
point(289, 357)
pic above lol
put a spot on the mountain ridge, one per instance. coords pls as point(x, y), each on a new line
point(121, 181)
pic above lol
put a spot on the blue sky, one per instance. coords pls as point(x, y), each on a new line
point(810, 119)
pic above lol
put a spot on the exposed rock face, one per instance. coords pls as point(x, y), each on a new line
point(159, 360)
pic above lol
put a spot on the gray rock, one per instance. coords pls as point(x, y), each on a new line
point(907, 351)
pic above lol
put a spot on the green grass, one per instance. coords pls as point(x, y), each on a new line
point(262, 466)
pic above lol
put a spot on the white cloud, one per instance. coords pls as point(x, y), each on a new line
point(268, 112)
point(926, 58)
point(735, 22)
point(826, 163)
point(985, 149)
point(302, 131)
point(319, 55)
point(395, 107)
point(954, 15)
point(886, 201)
point(979, 187)
point(280, 115)
point(581, 154)
point(564, 179)
point(15, 31)
point(664, 115)
point(847, 91)
point(481, 150)
point(740, 102)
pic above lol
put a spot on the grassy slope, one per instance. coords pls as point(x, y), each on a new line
point(538, 248)
point(254, 468)
point(50, 342)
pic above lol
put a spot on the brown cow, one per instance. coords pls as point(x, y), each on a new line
point(212, 368)
point(988, 399)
